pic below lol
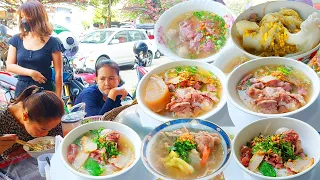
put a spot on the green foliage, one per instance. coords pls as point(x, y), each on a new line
point(147, 10)
point(86, 25)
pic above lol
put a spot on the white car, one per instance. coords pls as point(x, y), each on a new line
point(111, 43)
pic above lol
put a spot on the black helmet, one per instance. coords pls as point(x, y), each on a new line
point(139, 47)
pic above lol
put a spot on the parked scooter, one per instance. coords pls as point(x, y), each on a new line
point(140, 50)
point(72, 85)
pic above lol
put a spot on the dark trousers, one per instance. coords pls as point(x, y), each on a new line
point(23, 84)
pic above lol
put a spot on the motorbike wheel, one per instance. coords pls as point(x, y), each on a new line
point(149, 58)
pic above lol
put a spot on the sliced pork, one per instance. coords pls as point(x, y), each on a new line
point(189, 102)
point(206, 139)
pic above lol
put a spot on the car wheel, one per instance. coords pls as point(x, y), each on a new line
point(101, 58)
point(149, 58)
point(158, 54)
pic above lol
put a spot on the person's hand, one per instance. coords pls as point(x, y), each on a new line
point(116, 92)
point(7, 141)
point(37, 76)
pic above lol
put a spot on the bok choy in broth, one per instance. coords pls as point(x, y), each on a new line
point(100, 152)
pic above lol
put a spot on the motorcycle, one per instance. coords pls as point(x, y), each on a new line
point(140, 50)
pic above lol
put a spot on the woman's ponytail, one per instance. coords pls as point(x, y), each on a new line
point(26, 93)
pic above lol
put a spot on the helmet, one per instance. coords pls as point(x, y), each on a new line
point(69, 42)
point(140, 47)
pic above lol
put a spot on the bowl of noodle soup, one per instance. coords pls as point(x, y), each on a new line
point(197, 30)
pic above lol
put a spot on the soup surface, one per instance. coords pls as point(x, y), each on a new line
point(100, 152)
point(187, 154)
point(196, 34)
point(277, 155)
point(183, 91)
point(275, 89)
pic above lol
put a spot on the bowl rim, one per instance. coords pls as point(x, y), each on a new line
point(315, 84)
point(38, 138)
point(233, 36)
point(273, 119)
point(150, 136)
point(127, 128)
point(210, 58)
point(209, 67)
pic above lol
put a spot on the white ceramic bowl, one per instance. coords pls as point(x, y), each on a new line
point(236, 75)
point(226, 57)
point(160, 69)
point(303, 9)
point(308, 135)
point(188, 6)
point(195, 124)
point(36, 154)
point(77, 132)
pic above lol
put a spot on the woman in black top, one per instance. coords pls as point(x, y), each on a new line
point(35, 113)
point(106, 93)
point(32, 52)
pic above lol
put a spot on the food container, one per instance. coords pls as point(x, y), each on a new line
point(42, 140)
point(194, 125)
point(160, 69)
point(238, 74)
point(77, 132)
point(307, 134)
point(188, 6)
point(304, 10)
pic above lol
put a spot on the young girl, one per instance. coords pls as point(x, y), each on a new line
point(35, 113)
point(32, 52)
point(105, 94)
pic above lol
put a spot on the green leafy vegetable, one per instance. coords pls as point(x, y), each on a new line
point(111, 149)
point(96, 133)
point(199, 14)
point(284, 69)
point(192, 69)
point(249, 83)
point(192, 56)
point(93, 167)
point(287, 151)
point(282, 148)
point(101, 141)
point(178, 69)
point(77, 141)
point(86, 121)
point(183, 148)
point(267, 169)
